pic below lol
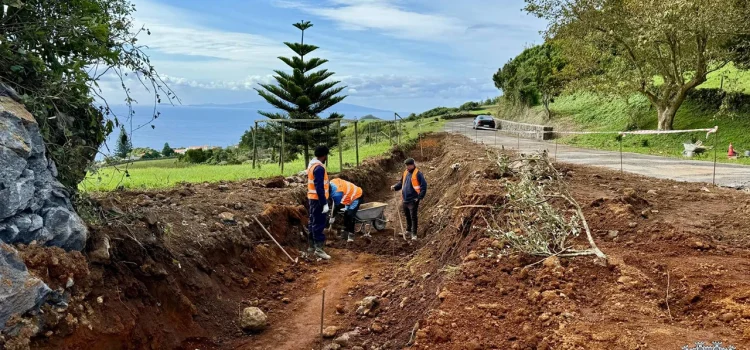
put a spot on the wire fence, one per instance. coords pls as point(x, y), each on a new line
point(695, 155)
point(285, 146)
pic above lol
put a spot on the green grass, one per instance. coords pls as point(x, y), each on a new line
point(165, 173)
point(734, 79)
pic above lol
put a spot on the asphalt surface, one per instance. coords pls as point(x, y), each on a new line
point(728, 175)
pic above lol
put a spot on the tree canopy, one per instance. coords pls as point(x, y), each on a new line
point(53, 53)
point(660, 48)
point(534, 76)
point(304, 93)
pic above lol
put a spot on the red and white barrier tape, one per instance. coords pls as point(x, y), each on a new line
point(708, 131)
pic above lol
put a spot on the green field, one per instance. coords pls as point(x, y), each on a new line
point(164, 173)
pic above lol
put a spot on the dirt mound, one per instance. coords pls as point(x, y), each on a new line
point(668, 282)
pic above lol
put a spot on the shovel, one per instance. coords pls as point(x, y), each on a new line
point(274, 241)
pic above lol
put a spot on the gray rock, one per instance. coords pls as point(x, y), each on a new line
point(253, 319)
point(332, 346)
point(34, 205)
point(346, 338)
point(14, 135)
point(13, 166)
point(367, 305)
point(17, 197)
point(19, 292)
point(66, 227)
point(8, 232)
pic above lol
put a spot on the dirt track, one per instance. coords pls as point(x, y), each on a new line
point(179, 276)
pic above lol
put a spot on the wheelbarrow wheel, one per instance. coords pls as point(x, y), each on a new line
point(379, 223)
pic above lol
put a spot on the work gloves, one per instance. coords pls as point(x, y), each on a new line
point(326, 209)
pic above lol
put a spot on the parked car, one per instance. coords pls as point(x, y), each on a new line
point(484, 121)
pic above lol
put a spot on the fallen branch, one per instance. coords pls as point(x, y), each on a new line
point(474, 206)
point(579, 212)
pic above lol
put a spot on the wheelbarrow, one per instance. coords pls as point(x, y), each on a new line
point(370, 215)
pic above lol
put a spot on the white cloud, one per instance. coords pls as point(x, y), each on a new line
point(384, 15)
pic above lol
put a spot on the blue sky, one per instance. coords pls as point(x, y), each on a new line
point(404, 55)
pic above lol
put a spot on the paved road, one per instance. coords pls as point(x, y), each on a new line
point(729, 175)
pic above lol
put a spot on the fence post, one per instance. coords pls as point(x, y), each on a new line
point(255, 149)
point(716, 141)
point(356, 141)
point(341, 157)
point(518, 139)
point(281, 156)
point(621, 137)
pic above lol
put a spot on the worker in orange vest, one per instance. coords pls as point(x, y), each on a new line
point(318, 189)
point(347, 197)
point(413, 187)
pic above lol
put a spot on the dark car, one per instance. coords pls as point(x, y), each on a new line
point(484, 121)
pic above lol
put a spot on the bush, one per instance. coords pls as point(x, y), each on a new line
point(151, 154)
point(469, 106)
point(195, 156)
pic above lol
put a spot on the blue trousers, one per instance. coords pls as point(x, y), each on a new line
point(317, 221)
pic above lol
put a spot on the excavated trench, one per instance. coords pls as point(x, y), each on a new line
point(179, 265)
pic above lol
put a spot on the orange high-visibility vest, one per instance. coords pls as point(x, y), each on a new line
point(414, 180)
point(351, 191)
point(311, 192)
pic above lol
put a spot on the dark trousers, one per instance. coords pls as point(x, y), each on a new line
point(349, 216)
point(411, 211)
point(317, 221)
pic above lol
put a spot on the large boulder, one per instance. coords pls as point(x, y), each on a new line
point(34, 205)
point(19, 291)
point(253, 319)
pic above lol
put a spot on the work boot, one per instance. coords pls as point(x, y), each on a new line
point(349, 237)
point(413, 236)
point(319, 252)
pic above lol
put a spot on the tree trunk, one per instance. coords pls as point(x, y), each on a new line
point(307, 152)
point(666, 117)
point(545, 101)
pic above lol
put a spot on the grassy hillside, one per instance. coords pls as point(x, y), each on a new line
point(162, 173)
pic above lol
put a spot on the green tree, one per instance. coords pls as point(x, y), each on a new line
point(53, 53)
point(535, 76)
point(303, 94)
point(124, 145)
point(167, 151)
point(661, 49)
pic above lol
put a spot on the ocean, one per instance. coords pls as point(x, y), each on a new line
point(212, 125)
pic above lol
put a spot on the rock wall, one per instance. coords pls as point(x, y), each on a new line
point(34, 206)
point(529, 131)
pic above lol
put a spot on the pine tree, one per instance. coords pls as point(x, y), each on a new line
point(167, 151)
point(124, 146)
point(303, 94)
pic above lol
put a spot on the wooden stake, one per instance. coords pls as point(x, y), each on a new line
point(322, 311)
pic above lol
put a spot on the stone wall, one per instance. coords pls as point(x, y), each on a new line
point(34, 206)
point(530, 131)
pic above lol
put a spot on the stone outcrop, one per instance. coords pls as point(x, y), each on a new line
point(19, 291)
point(34, 205)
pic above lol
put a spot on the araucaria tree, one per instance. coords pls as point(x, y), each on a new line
point(124, 145)
point(302, 94)
point(659, 48)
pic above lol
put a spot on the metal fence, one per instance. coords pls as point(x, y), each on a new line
point(285, 146)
